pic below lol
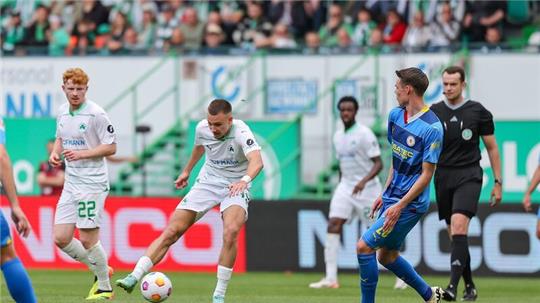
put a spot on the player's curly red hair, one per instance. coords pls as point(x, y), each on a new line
point(76, 75)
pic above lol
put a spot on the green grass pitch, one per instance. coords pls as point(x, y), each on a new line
point(72, 286)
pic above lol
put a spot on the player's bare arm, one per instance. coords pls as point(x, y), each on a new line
point(393, 213)
point(534, 183)
point(102, 150)
point(375, 169)
point(54, 157)
point(378, 202)
point(6, 176)
point(495, 160)
point(196, 155)
point(255, 165)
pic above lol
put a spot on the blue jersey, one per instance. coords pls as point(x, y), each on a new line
point(413, 142)
point(2, 132)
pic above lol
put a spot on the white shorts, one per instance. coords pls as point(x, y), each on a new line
point(85, 210)
point(203, 196)
point(345, 205)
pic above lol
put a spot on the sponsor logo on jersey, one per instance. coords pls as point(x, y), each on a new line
point(400, 151)
point(224, 162)
point(410, 141)
point(66, 143)
point(466, 134)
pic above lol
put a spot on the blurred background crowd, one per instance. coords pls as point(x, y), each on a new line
point(81, 27)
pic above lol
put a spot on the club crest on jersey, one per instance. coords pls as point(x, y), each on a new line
point(410, 141)
point(82, 127)
point(231, 149)
point(466, 134)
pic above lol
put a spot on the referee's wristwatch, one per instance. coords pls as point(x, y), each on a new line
point(498, 181)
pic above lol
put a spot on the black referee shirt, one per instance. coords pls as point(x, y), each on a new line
point(463, 126)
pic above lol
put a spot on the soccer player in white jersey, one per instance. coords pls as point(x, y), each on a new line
point(359, 156)
point(84, 137)
point(233, 159)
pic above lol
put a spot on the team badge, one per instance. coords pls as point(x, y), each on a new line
point(466, 134)
point(82, 127)
point(110, 129)
point(250, 142)
point(410, 141)
point(231, 149)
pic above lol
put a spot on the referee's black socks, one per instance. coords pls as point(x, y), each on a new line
point(459, 258)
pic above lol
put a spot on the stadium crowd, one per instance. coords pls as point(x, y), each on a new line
point(79, 27)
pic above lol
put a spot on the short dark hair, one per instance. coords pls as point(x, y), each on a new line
point(414, 77)
point(455, 69)
point(348, 99)
point(219, 106)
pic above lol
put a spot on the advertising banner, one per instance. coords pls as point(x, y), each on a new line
point(502, 240)
point(129, 226)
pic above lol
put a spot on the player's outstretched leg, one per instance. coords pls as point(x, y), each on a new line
point(181, 220)
point(403, 269)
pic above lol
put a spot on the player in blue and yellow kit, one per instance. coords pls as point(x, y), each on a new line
point(415, 134)
point(17, 280)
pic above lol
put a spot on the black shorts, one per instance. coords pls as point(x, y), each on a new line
point(457, 191)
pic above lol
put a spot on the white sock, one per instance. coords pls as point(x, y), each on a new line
point(76, 250)
point(330, 256)
point(143, 266)
point(98, 256)
point(223, 276)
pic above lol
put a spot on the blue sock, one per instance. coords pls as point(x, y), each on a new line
point(18, 282)
point(406, 272)
point(369, 276)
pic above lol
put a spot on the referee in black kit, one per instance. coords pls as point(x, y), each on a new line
point(458, 178)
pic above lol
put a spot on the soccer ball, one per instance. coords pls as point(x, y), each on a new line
point(156, 287)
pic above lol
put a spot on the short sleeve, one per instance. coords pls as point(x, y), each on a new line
point(104, 129)
point(486, 126)
point(371, 144)
point(246, 139)
point(198, 133)
point(433, 144)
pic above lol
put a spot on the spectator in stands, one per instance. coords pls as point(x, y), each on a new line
point(328, 32)
point(231, 14)
point(50, 179)
point(176, 43)
point(118, 26)
point(376, 42)
point(95, 13)
point(147, 34)
point(280, 39)
point(344, 40)
point(192, 29)
point(82, 41)
point(493, 41)
point(534, 40)
point(394, 28)
point(313, 42)
point(70, 11)
point(363, 28)
point(213, 39)
point(58, 36)
point(417, 34)
point(445, 29)
point(481, 15)
point(166, 24)
point(130, 40)
point(316, 11)
point(35, 36)
point(254, 26)
point(380, 8)
point(12, 33)
point(290, 13)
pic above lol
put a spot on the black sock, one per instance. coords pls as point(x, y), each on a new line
point(467, 274)
point(458, 259)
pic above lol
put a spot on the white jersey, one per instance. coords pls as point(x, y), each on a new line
point(354, 149)
point(226, 160)
point(85, 128)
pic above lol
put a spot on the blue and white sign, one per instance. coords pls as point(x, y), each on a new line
point(291, 96)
